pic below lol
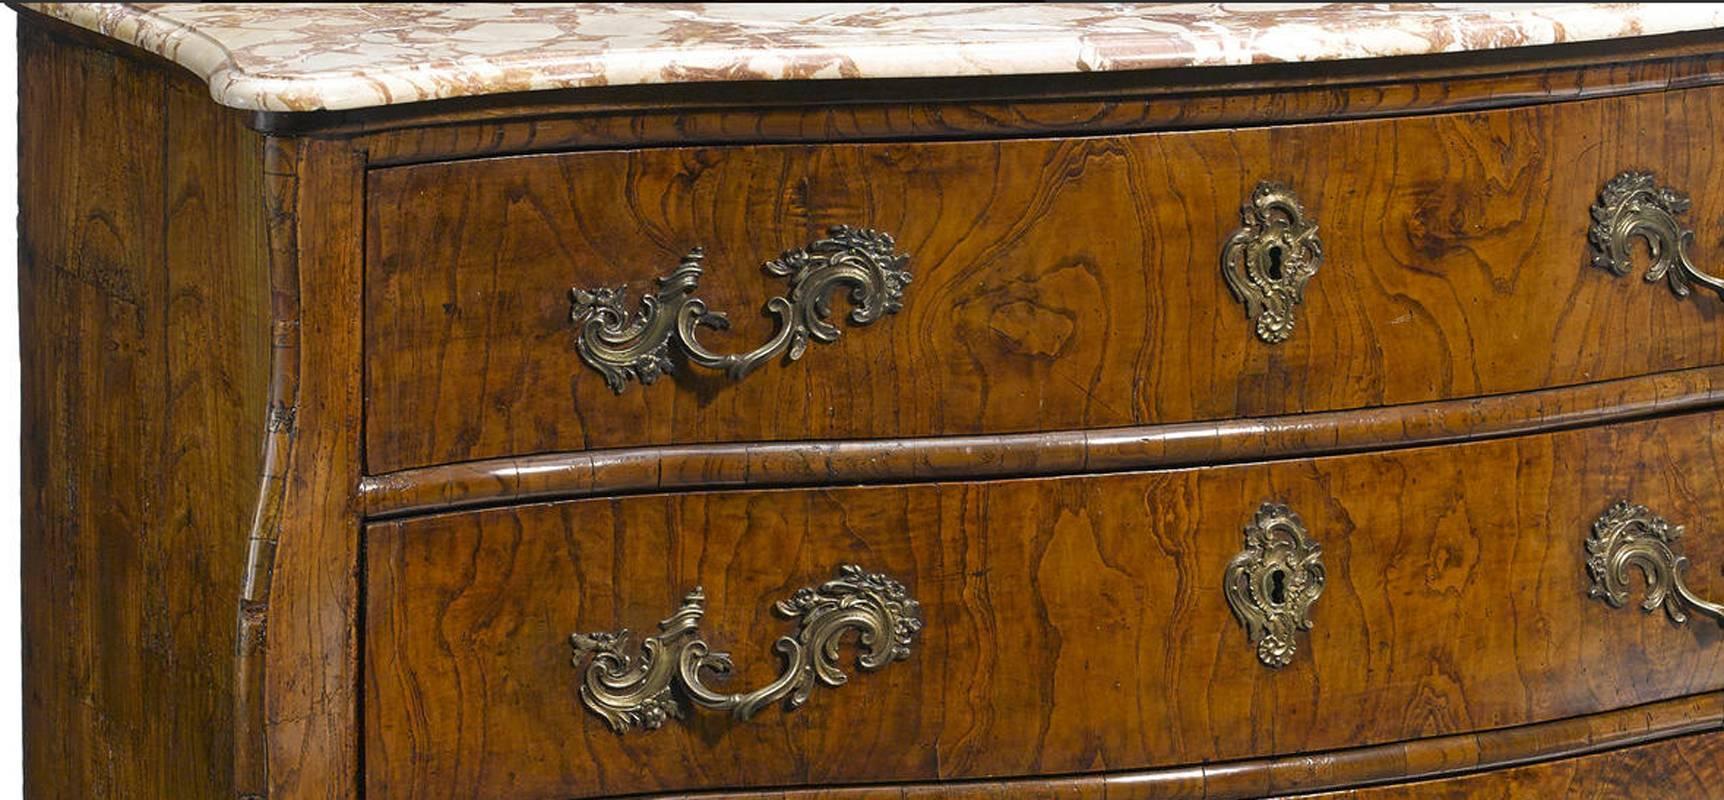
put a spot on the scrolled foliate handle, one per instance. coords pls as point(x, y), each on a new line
point(639, 347)
point(1633, 204)
point(1630, 535)
point(633, 692)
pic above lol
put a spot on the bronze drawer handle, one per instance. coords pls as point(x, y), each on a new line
point(1633, 204)
point(1630, 535)
point(1270, 258)
point(622, 347)
point(633, 692)
point(1273, 582)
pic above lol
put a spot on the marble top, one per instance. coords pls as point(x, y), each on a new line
point(287, 57)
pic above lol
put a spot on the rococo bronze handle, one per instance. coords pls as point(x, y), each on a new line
point(1630, 535)
point(638, 347)
point(1633, 204)
point(1272, 583)
point(1270, 258)
point(633, 692)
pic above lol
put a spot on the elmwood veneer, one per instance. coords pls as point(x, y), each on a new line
point(1161, 430)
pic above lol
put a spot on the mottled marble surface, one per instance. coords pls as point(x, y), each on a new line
point(287, 57)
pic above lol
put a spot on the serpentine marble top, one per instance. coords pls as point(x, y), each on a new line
point(286, 57)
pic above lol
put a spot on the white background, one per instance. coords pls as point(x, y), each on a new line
point(11, 391)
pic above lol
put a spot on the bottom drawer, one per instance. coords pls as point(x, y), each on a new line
point(1068, 625)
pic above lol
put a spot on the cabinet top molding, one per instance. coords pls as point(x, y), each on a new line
point(284, 58)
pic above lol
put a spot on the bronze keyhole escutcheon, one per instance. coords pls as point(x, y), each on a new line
point(1273, 582)
point(1270, 258)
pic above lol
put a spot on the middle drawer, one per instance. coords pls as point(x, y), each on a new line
point(1069, 624)
point(1056, 284)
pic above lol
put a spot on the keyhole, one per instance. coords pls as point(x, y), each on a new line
point(1275, 271)
point(1277, 587)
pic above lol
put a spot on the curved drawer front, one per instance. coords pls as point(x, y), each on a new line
point(1025, 285)
point(1062, 625)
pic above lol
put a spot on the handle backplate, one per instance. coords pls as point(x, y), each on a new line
point(1633, 204)
point(641, 691)
point(1629, 535)
point(625, 347)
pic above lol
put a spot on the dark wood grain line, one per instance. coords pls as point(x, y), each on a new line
point(779, 464)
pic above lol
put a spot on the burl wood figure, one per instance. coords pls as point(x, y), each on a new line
point(839, 403)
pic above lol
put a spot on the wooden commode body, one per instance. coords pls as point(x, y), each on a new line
point(1113, 401)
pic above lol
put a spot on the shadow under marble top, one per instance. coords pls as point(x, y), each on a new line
point(285, 57)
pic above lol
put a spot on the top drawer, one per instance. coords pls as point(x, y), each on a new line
point(1057, 283)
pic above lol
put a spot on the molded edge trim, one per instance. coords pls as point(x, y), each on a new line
point(1091, 104)
point(1419, 759)
point(565, 475)
point(281, 191)
point(240, 78)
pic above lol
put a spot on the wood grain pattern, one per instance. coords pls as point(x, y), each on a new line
point(1073, 625)
point(176, 471)
point(144, 334)
point(1060, 283)
point(192, 297)
point(251, 729)
point(310, 664)
point(684, 467)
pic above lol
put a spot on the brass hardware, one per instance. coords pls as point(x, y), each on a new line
point(641, 691)
point(624, 347)
point(1272, 583)
point(1633, 204)
point(1631, 535)
point(1268, 261)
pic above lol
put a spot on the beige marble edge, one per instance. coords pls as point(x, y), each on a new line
point(1058, 51)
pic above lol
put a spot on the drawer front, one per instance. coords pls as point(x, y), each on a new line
point(1067, 625)
point(1053, 283)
